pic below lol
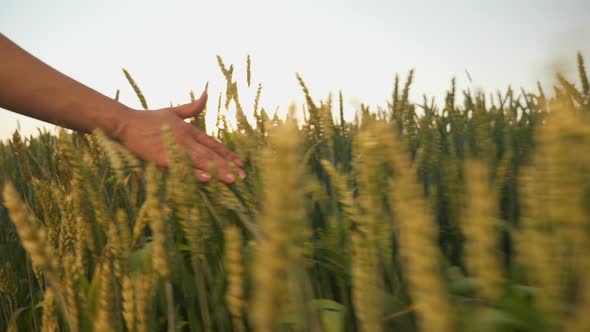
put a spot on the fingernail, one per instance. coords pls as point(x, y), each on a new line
point(229, 178)
point(204, 176)
point(242, 174)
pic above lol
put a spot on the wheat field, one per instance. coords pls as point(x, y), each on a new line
point(473, 215)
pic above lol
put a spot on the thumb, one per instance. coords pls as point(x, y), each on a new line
point(191, 109)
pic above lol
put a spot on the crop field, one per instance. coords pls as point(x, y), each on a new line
point(468, 215)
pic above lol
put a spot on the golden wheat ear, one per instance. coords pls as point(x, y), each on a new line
point(136, 88)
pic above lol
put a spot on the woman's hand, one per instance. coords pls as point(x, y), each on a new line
point(141, 133)
point(32, 88)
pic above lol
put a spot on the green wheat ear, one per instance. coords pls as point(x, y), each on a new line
point(583, 75)
point(406, 91)
point(305, 89)
point(571, 89)
point(136, 89)
point(341, 109)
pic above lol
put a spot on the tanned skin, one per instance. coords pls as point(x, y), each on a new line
point(30, 87)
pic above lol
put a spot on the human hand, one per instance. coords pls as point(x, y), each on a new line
point(141, 133)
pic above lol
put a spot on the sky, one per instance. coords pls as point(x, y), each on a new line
point(170, 47)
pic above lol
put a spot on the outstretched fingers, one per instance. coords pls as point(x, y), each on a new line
point(205, 159)
point(216, 146)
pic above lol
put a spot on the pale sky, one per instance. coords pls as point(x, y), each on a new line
point(357, 46)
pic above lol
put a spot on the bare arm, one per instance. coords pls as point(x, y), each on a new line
point(32, 88)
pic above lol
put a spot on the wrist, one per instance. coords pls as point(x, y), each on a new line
point(115, 124)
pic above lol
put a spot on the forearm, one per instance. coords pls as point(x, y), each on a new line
point(30, 87)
